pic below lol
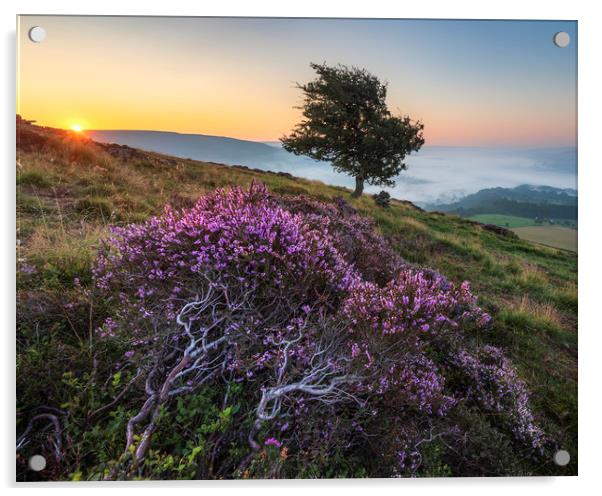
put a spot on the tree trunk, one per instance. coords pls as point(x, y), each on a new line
point(359, 187)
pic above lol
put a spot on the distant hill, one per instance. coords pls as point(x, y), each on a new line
point(195, 146)
point(523, 201)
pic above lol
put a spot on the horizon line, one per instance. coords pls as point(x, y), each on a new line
point(274, 141)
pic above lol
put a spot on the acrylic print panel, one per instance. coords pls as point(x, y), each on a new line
point(295, 248)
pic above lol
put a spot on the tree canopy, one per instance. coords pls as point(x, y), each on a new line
point(346, 122)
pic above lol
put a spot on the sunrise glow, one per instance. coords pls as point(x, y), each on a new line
point(236, 77)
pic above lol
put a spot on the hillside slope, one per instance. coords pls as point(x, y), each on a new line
point(195, 146)
point(71, 189)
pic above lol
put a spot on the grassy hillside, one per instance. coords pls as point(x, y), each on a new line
point(69, 190)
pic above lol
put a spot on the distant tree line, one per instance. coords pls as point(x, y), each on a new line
point(521, 209)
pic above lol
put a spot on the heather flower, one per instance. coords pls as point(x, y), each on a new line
point(304, 292)
point(273, 442)
point(27, 269)
point(492, 383)
point(238, 234)
point(353, 235)
point(414, 300)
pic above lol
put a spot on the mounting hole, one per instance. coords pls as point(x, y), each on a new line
point(562, 458)
point(562, 39)
point(37, 463)
point(37, 34)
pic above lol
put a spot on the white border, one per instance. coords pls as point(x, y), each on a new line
point(590, 161)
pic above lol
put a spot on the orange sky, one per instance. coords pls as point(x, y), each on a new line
point(235, 77)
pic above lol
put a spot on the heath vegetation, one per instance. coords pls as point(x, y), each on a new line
point(182, 319)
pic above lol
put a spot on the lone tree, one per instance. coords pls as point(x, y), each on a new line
point(346, 122)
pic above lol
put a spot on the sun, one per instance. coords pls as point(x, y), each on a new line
point(77, 128)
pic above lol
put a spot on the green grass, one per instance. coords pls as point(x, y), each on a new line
point(556, 236)
point(509, 221)
point(66, 201)
point(33, 178)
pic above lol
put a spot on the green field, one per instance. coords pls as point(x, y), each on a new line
point(556, 236)
point(509, 221)
point(545, 234)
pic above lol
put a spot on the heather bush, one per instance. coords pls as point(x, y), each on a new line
point(314, 337)
point(354, 236)
point(235, 285)
point(239, 238)
point(490, 381)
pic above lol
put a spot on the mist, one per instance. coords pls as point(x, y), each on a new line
point(434, 174)
point(444, 174)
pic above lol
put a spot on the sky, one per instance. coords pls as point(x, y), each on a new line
point(472, 83)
